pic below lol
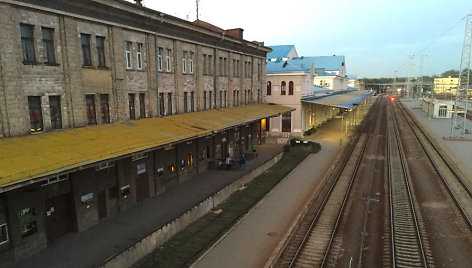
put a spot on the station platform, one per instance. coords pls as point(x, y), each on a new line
point(460, 151)
point(114, 234)
point(255, 239)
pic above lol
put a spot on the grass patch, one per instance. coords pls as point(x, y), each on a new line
point(185, 247)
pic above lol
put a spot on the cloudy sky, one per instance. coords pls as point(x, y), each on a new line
point(376, 36)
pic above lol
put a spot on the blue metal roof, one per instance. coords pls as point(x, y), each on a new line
point(318, 89)
point(279, 51)
point(324, 74)
point(303, 64)
point(346, 100)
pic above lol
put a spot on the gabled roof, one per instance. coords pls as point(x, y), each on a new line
point(280, 51)
point(301, 64)
point(329, 63)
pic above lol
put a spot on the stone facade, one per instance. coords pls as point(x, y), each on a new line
point(112, 61)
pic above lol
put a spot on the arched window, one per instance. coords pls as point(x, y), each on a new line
point(283, 88)
point(269, 88)
point(290, 88)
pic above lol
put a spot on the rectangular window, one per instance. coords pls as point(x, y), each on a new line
point(3, 234)
point(224, 98)
point(210, 63)
point(139, 58)
point(169, 103)
point(204, 100)
point(185, 102)
point(191, 63)
point(184, 62)
point(142, 105)
point(225, 62)
point(48, 45)
point(36, 116)
point(221, 98)
point(27, 218)
point(101, 51)
point(234, 98)
point(205, 64)
point(127, 45)
point(259, 71)
point(210, 101)
point(159, 59)
point(27, 42)
point(132, 114)
point(442, 111)
point(168, 62)
point(90, 104)
point(85, 42)
point(192, 102)
point(105, 108)
point(220, 70)
point(55, 108)
point(161, 104)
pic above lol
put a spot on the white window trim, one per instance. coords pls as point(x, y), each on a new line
point(191, 63)
point(55, 179)
point(128, 57)
point(159, 59)
point(8, 238)
point(168, 63)
point(139, 59)
point(184, 62)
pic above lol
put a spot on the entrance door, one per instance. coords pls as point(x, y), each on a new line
point(102, 204)
point(59, 216)
point(287, 122)
point(142, 187)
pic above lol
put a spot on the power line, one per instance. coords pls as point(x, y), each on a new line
point(432, 42)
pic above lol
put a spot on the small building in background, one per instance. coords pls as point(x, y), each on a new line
point(445, 85)
point(438, 108)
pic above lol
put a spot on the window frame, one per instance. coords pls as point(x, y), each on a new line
point(169, 104)
point(49, 54)
point(105, 111)
point(132, 106)
point(283, 88)
point(290, 88)
point(160, 97)
point(100, 46)
point(184, 62)
point(142, 105)
point(159, 59)
point(139, 56)
point(6, 234)
point(269, 88)
point(191, 62)
point(27, 43)
point(168, 60)
point(86, 52)
point(91, 113)
point(127, 47)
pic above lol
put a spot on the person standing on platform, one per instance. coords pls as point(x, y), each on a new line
point(228, 162)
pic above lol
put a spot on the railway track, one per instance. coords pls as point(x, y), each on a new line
point(407, 246)
point(452, 179)
point(310, 244)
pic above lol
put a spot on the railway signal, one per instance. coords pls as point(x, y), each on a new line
point(392, 99)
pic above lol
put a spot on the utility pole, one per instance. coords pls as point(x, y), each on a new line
point(410, 71)
point(197, 2)
point(395, 83)
point(458, 129)
point(420, 77)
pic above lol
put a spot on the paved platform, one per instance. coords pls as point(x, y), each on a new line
point(252, 241)
point(460, 151)
point(112, 235)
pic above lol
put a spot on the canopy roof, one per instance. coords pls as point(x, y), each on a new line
point(345, 100)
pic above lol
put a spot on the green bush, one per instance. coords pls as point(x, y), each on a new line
point(316, 147)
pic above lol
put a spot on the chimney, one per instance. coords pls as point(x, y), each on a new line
point(138, 2)
point(235, 33)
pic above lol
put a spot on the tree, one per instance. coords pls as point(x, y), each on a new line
point(451, 73)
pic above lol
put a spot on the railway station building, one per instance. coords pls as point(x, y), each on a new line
point(105, 103)
point(301, 83)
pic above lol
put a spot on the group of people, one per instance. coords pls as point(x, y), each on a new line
point(242, 161)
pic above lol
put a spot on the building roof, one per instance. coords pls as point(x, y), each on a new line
point(303, 64)
point(279, 51)
point(346, 100)
point(37, 156)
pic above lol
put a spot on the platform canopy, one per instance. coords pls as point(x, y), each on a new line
point(40, 155)
point(346, 100)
